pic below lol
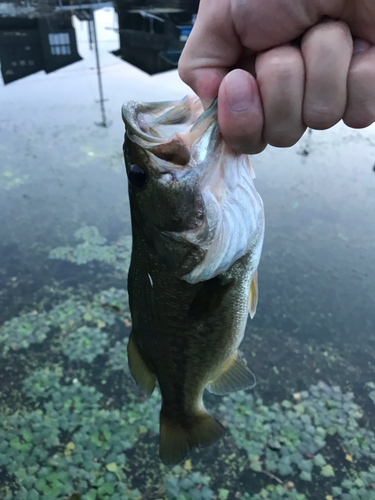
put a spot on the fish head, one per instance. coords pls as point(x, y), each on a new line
point(164, 195)
point(160, 172)
point(186, 188)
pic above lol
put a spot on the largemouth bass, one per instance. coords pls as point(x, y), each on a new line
point(197, 225)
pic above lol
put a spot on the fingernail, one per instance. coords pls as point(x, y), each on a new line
point(360, 45)
point(239, 91)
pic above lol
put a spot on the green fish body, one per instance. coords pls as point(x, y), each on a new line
point(197, 225)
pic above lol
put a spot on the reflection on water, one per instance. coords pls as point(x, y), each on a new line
point(37, 36)
point(73, 424)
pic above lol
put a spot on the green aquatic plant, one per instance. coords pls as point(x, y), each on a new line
point(191, 486)
point(358, 486)
point(72, 444)
point(185, 485)
point(93, 247)
point(67, 315)
point(277, 492)
point(42, 384)
point(118, 357)
point(116, 301)
point(22, 331)
point(371, 386)
point(105, 308)
point(10, 180)
point(76, 443)
point(85, 344)
point(290, 437)
point(111, 158)
point(73, 319)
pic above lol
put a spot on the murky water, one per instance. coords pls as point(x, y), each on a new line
point(72, 419)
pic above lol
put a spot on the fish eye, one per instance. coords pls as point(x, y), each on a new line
point(137, 176)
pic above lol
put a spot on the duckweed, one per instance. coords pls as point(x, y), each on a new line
point(71, 441)
point(291, 437)
point(193, 486)
point(21, 332)
point(93, 247)
point(77, 444)
point(85, 344)
point(65, 320)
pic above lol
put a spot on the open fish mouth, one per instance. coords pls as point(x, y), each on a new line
point(179, 137)
point(157, 122)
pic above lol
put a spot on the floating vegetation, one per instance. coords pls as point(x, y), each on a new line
point(118, 356)
point(357, 486)
point(291, 438)
point(72, 441)
point(67, 319)
point(276, 493)
point(113, 159)
point(9, 180)
point(193, 486)
point(115, 300)
point(20, 332)
point(71, 444)
point(75, 443)
point(81, 432)
point(85, 344)
point(371, 386)
point(93, 247)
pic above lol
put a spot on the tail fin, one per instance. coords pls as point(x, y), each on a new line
point(178, 438)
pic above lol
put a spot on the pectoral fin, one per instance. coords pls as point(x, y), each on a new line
point(234, 376)
point(144, 378)
point(253, 295)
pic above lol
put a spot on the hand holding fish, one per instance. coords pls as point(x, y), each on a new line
point(270, 88)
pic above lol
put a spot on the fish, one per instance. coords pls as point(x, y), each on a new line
point(197, 235)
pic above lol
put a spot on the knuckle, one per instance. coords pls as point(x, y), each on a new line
point(343, 29)
point(359, 120)
point(327, 28)
point(246, 145)
point(250, 149)
point(281, 64)
point(280, 140)
point(321, 117)
point(324, 38)
point(183, 70)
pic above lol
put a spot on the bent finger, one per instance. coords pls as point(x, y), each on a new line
point(360, 110)
point(281, 77)
point(327, 51)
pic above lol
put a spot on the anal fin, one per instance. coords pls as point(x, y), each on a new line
point(253, 295)
point(144, 378)
point(234, 376)
point(177, 438)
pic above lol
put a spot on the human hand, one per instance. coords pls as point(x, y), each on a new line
point(278, 88)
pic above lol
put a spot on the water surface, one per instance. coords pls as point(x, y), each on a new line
point(73, 420)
